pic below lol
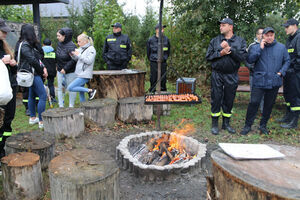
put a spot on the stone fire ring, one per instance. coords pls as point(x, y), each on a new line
point(153, 172)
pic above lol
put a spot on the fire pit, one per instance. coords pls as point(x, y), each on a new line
point(160, 155)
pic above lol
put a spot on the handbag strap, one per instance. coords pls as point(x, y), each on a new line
point(19, 55)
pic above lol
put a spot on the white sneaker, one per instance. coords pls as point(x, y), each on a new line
point(41, 125)
point(34, 121)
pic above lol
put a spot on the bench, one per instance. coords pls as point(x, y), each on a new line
point(244, 75)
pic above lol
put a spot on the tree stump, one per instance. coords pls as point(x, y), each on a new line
point(64, 122)
point(133, 109)
point(84, 174)
point(37, 142)
point(118, 83)
point(22, 176)
point(276, 179)
point(101, 111)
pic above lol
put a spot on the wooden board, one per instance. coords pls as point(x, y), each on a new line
point(118, 83)
point(277, 179)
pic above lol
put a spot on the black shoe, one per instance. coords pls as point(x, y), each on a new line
point(92, 94)
point(287, 117)
point(245, 130)
point(293, 123)
point(264, 130)
point(226, 125)
point(214, 126)
point(27, 112)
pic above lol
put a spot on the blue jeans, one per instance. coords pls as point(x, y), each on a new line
point(78, 86)
point(66, 79)
point(38, 89)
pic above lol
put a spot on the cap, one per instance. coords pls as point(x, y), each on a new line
point(47, 41)
point(226, 21)
point(117, 25)
point(290, 22)
point(4, 27)
point(157, 26)
point(268, 29)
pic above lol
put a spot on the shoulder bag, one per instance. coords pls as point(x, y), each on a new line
point(24, 77)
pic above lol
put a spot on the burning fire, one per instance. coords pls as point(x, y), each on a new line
point(167, 149)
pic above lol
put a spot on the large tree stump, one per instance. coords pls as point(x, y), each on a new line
point(133, 109)
point(64, 122)
point(277, 179)
point(37, 142)
point(101, 111)
point(22, 176)
point(84, 174)
point(118, 83)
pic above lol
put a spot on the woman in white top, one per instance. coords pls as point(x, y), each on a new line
point(85, 57)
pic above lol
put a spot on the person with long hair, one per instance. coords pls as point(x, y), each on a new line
point(65, 65)
point(85, 58)
point(31, 54)
point(7, 57)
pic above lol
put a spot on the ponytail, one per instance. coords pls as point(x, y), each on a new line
point(86, 37)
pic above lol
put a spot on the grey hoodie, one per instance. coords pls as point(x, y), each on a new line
point(85, 61)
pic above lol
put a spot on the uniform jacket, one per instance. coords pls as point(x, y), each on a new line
point(63, 59)
point(117, 49)
point(269, 61)
point(85, 61)
point(229, 63)
point(12, 71)
point(30, 57)
point(49, 60)
point(293, 47)
point(152, 48)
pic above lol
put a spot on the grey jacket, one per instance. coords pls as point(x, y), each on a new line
point(85, 61)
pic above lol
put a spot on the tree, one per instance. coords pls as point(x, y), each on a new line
point(88, 15)
point(16, 14)
point(107, 13)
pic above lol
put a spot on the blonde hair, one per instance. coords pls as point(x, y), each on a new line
point(87, 38)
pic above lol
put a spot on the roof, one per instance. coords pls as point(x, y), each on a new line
point(15, 2)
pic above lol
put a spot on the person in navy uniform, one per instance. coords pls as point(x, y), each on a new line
point(117, 49)
point(152, 54)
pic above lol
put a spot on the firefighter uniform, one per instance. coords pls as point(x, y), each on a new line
point(224, 78)
point(292, 82)
point(117, 50)
point(152, 54)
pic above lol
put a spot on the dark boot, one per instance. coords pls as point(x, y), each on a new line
point(226, 125)
point(287, 117)
point(263, 129)
point(245, 130)
point(293, 123)
point(214, 126)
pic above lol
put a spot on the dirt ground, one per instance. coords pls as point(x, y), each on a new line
point(185, 186)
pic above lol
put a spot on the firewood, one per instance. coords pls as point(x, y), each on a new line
point(163, 160)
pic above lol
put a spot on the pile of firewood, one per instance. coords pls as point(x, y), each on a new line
point(161, 151)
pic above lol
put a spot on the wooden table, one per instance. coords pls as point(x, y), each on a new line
point(118, 83)
point(276, 179)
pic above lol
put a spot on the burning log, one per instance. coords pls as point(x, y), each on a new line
point(163, 160)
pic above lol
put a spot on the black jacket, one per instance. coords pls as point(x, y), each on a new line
point(293, 47)
point(228, 63)
point(152, 48)
point(12, 71)
point(117, 49)
point(63, 59)
point(30, 57)
point(49, 60)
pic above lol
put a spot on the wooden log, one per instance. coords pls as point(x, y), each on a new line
point(101, 111)
point(2, 113)
point(276, 179)
point(64, 122)
point(83, 174)
point(37, 142)
point(22, 176)
point(133, 109)
point(118, 83)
